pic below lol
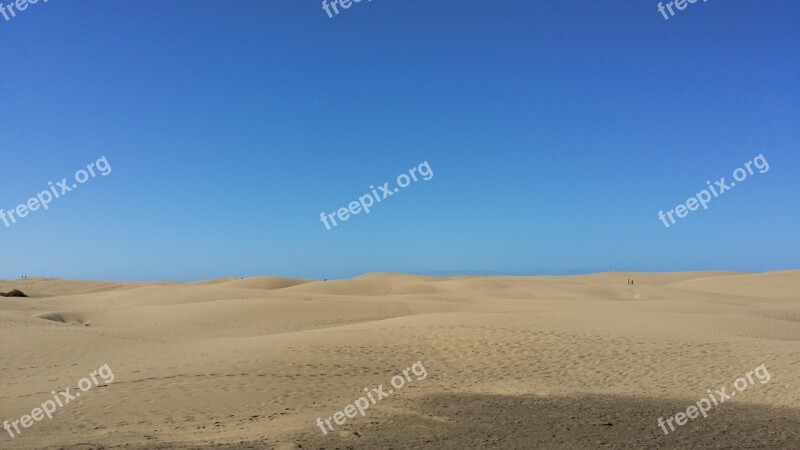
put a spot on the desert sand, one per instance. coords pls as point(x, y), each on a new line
point(512, 362)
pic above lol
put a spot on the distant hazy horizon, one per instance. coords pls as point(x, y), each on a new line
point(443, 274)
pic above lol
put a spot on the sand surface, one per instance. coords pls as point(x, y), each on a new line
point(511, 362)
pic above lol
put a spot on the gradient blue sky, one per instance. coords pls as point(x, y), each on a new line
point(556, 131)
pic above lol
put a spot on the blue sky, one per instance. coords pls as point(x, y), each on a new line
point(556, 131)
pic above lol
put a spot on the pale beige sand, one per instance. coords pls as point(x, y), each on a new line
point(512, 362)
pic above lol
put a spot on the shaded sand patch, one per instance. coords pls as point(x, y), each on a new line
point(468, 421)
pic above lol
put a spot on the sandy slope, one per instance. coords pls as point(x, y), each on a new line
point(511, 362)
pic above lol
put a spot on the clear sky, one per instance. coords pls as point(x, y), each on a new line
point(556, 131)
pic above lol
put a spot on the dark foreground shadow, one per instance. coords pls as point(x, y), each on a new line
point(460, 422)
point(586, 422)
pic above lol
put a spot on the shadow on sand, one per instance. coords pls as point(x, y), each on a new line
point(585, 422)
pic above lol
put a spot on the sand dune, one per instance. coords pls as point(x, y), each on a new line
point(265, 283)
point(512, 362)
